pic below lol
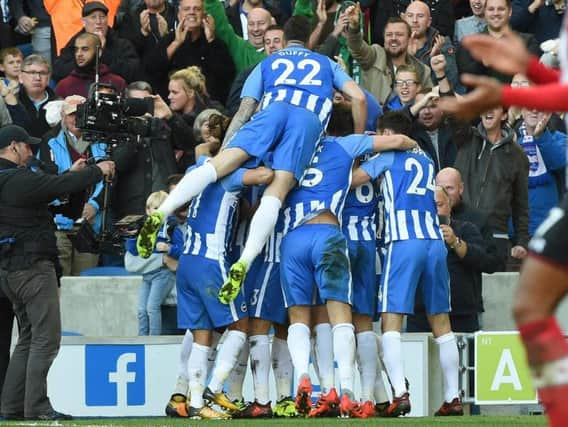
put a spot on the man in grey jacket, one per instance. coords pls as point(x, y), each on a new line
point(495, 175)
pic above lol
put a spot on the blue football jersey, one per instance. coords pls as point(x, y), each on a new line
point(358, 219)
point(299, 77)
point(326, 182)
point(211, 217)
point(408, 190)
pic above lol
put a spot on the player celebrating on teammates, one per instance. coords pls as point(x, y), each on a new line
point(416, 257)
point(314, 260)
point(202, 268)
point(295, 86)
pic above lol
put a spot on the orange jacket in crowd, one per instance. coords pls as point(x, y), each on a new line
point(66, 17)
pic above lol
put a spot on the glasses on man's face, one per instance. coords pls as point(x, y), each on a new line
point(401, 83)
point(36, 73)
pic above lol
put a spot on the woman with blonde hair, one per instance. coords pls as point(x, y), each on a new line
point(188, 97)
point(188, 92)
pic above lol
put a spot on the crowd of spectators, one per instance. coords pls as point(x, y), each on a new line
point(193, 56)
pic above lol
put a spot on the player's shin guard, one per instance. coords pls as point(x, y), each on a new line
point(183, 376)
point(197, 373)
point(215, 337)
point(226, 359)
point(299, 346)
point(282, 367)
point(392, 351)
point(344, 353)
point(261, 225)
point(449, 362)
point(237, 376)
point(260, 366)
point(367, 361)
point(547, 352)
point(324, 355)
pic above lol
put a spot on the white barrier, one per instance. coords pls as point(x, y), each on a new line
point(135, 376)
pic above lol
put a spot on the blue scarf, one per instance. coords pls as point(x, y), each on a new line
point(538, 174)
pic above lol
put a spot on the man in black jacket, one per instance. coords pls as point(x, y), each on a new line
point(145, 165)
point(118, 54)
point(148, 24)
point(465, 262)
point(192, 43)
point(34, 93)
point(27, 270)
point(450, 179)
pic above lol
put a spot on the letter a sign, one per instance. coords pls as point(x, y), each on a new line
point(502, 375)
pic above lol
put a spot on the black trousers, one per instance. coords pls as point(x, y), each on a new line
point(6, 323)
point(34, 294)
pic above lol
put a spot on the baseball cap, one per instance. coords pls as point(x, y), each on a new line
point(16, 133)
point(70, 104)
point(92, 6)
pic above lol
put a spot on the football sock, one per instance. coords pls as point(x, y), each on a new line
point(392, 350)
point(380, 391)
point(226, 359)
point(192, 184)
point(344, 352)
point(215, 337)
point(197, 373)
point(449, 363)
point(324, 355)
point(185, 351)
point(282, 367)
point(547, 352)
point(313, 356)
point(260, 366)
point(299, 346)
point(237, 376)
point(261, 225)
point(367, 362)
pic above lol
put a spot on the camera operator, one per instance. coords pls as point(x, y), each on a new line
point(65, 152)
point(27, 269)
point(143, 166)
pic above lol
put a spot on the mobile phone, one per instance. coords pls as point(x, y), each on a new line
point(444, 219)
point(154, 24)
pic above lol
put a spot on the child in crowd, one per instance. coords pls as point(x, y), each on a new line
point(10, 63)
point(158, 277)
point(406, 86)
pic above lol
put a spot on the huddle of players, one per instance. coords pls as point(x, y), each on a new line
point(307, 261)
point(317, 271)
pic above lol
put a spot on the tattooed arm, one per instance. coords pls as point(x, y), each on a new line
point(246, 110)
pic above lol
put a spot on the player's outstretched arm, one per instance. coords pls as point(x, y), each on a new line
point(359, 177)
point(489, 93)
point(486, 94)
point(258, 176)
point(393, 142)
point(507, 55)
point(358, 104)
point(245, 112)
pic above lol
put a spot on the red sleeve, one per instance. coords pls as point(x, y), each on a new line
point(550, 97)
point(540, 73)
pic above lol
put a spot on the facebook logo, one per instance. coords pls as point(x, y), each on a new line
point(115, 375)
